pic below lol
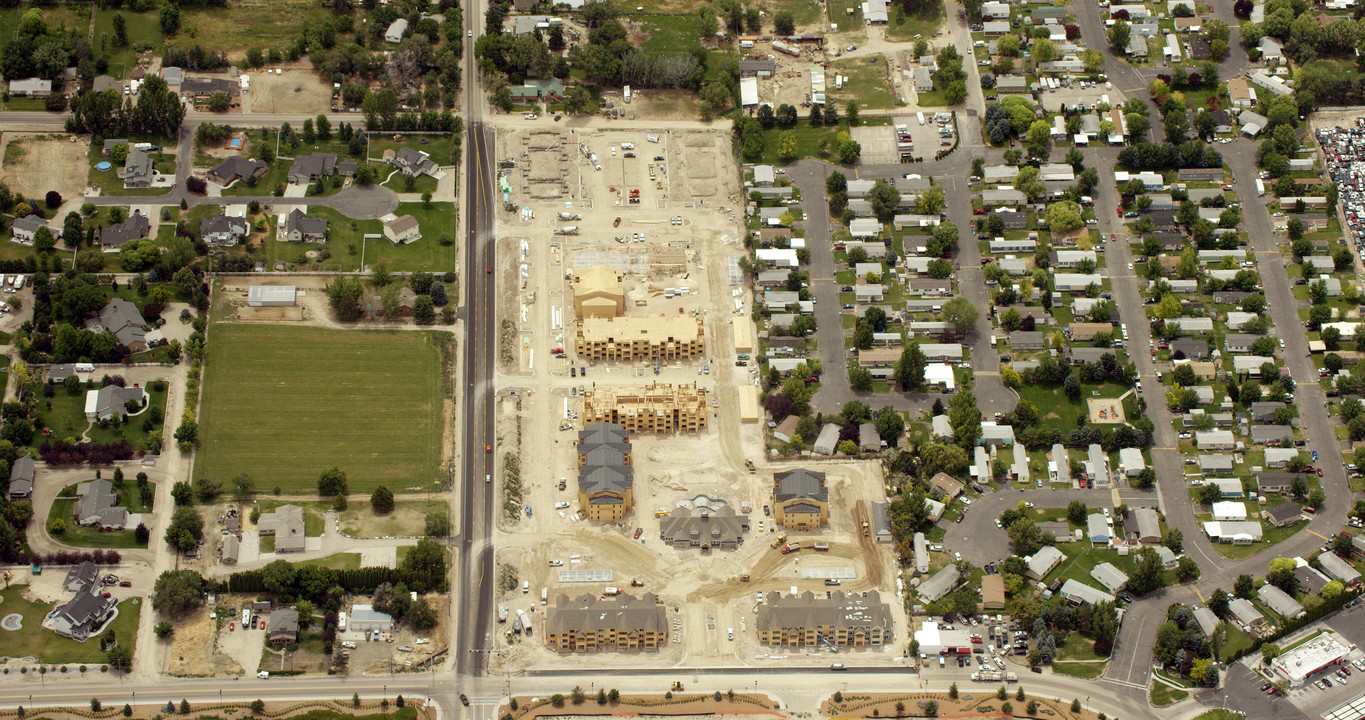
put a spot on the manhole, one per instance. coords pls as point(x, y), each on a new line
point(12, 622)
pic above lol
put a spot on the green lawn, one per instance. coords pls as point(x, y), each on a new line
point(1270, 536)
point(1088, 671)
point(367, 402)
point(1078, 647)
point(49, 647)
point(399, 181)
point(82, 536)
point(441, 148)
point(1163, 694)
point(436, 220)
point(109, 181)
point(65, 415)
point(847, 14)
point(810, 141)
point(670, 33)
point(904, 28)
point(143, 30)
point(865, 81)
point(1056, 410)
point(250, 23)
point(339, 561)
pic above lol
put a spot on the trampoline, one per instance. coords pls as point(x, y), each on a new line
point(103, 165)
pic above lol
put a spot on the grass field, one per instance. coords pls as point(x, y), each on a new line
point(671, 33)
point(399, 181)
point(339, 561)
point(904, 28)
point(143, 31)
point(284, 404)
point(1085, 670)
point(441, 148)
point(865, 81)
point(1270, 536)
point(248, 23)
point(348, 246)
point(1056, 410)
point(49, 647)
point(88, 537)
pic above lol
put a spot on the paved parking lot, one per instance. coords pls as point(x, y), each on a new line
point(879, 144)
point(1075, 95)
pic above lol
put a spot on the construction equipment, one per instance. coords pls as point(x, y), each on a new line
point(780, 539)
point(744, 577)
point(635, 196)
point(750, 465)
point(677, 686)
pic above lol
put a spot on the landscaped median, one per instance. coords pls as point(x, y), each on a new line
point(611, 702)
point(1004, 702)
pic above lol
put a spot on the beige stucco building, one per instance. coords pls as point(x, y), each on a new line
point(599, 291)
point(629, 339)
point(654, 408)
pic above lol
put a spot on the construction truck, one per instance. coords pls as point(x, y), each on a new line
point(780, 539)
point(867, 530)
point(750, 465)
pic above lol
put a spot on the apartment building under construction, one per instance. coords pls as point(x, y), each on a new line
point(640, 339)
point(653, 408)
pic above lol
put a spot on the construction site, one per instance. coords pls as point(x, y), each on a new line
point(625, 307)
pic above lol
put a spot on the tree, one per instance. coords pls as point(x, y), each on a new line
point(258, 706)
point(1243, 586)
point(1147, 575)
point(438, 524)
point(885, 199)
point(185, 530)
point(381, 500)
point(1064, 217)
point(344, 295)
point(965, 418)
point(909, 370)
point(961, 313)
point(1218, 602)
point(332, 482)
point(1076, 512)
point(930, 708)
point(1119, 36)
point(177, 592)
point(784, 23)
point(1186, 569)
point(164, 629)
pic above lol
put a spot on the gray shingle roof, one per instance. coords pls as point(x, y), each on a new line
point(800, 483)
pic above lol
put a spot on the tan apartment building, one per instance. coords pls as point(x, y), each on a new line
point(634, 339)
point(606, 478)
point(599, 292)
point(849, 620)
point(621, 623)
point(800, 499)
point(653, 408)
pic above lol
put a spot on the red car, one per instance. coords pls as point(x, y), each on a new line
point(976, 640)
point(232, 626)
point(979, 211)
point(639, 532)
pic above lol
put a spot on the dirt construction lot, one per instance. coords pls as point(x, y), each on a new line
point(36, 163)
point(293, 91)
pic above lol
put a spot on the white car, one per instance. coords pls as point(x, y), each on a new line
point(561, 504)
point(348, 644)
point(529, 116)
point(556, 563)
point(998, 523)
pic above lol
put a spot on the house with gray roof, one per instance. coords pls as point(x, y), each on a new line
point(25, 228)
point(394, 33)
point(881, 521)
point(1248, 615)
point(621, 623)
point(114, 402)
point(285, 524)
point(1058, 531)
point(704, 528)
point(1271, 435)
point(1043, 561)
point(1078, 593)
point(1141, 525)
point(314, 166)
point(283, 627)
point(137, 171)
point(301, 227)
point(1279, 601)
point(82, 616)
point(237, 168)
point(1109, 576)
point(942, 583)
point(113, 237)
point(414, 162)
point(81, 577)
point(125, 321)
point(1338, 569)
point(21, 478)
point(95, 506)
point(1310, 581)
point(800, 499)
point(1097, 529)
point(223, 231)
point(827, 440)
point(1208, 622)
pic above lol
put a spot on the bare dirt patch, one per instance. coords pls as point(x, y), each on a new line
point(407, 519)
point(294, 91)
point(194, 650)
point(1106, 410)
point(36, 163)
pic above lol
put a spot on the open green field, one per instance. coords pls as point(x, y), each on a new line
point(339, 561)
point(1056, 410)
point(247, 23)
point(865, 81)
point(88, 537)
point(1087, 670)
point(441, 148)
point(283, 404)
point(804, 12)
point(811, 141)
point(904, 28)
point(143, 30)
point(49, 647)
point(351, 250)
point(671, 33)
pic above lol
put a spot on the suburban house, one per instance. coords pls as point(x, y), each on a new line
point(26, 227)
point(402, 230)
point(396, 30)
point(1286, 513)
point(285, 524)
point(314, 166)
point(81, 577)
point(83, 615)
point(1248, 616)
point(364, 618)
point(237, 168)
point(113, 402)
point(125, 321)
point(800, 499)
point(621, 623)
point(95, 506)
point(1078, 593)
point(1042, 562)
point(606, 478)
point(302, 227)
point(21, 478)
point(283, 628)
point(846, 620)
point(200, 88)
point(137, 170)
point(223, 231)
point(1280, 601)
point(30, 87)
point(113, 237)
point(940, 584)
point(413, 162)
